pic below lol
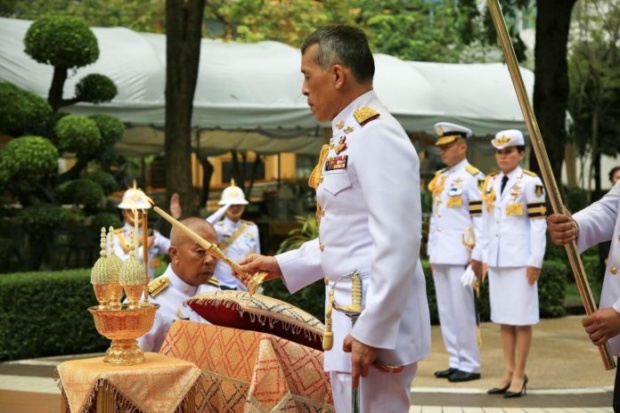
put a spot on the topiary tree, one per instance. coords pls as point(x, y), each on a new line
point(29, 167)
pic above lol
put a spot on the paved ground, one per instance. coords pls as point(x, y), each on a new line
point(565, 371)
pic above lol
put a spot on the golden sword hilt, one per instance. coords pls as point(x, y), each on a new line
point(355, 309)
point(468, 238)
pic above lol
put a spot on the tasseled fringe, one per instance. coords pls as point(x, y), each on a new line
point(266, 316)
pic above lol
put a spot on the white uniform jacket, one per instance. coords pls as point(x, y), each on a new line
point(598, 223)
point(246, 242)
point(122, 240)
point(513, 222)
point(172, 307)
point(371, 222)
point(457, 215)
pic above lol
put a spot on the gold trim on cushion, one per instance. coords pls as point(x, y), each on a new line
point(239, 309)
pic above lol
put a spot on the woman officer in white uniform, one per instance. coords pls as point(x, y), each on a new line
point(514, 241)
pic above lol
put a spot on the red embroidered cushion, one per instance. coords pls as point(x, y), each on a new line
point(239, 309)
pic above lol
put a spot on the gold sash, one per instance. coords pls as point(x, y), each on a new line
point(226, 243)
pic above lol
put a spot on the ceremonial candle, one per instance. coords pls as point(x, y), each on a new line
point(135, 231)
point(145, 239)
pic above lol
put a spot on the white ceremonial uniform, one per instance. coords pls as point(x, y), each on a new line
point(236, 240)
point(370, 221)
point(456, 219)
point(597, 223)
point(514, 235)
point(122, 240)
point(172, 307)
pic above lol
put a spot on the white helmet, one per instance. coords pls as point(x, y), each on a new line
point(134, 198)
point(233, 195)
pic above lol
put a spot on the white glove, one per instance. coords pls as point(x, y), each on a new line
point(468, 277)
point(217, 215)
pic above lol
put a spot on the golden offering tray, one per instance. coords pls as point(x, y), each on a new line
point(124, 326)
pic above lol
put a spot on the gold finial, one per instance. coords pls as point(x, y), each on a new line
point(132, 276)
point(99, 270)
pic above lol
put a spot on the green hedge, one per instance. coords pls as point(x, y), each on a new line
point(45, 314)
point(550, 293)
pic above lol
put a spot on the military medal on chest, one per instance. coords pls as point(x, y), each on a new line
point(455, 193)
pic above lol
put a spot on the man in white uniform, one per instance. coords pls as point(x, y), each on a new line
point(454, 227)
point(134, 198)
point(368, 207)
point(597, 223)
point(237, 238)
point(189, 273)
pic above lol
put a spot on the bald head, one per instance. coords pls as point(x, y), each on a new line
point(198, 225)
point(190, 261)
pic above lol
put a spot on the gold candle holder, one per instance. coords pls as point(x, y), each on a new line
point(124, 326)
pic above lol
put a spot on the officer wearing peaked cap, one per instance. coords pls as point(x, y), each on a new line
point(455, 227)
point(134, 198)
point(189, 273)
point(236, 237)
point(368, 210)
point(514, 237)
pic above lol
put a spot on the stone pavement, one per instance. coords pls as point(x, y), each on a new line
point(565, 371)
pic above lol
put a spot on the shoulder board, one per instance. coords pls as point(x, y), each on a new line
point(472, 169)
point(248, 222)
point(365, 115)
point(118, 230)
point(214, 281)
point(530, 173)
point(158, 285)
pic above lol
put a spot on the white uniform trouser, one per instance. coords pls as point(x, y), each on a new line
point(457, 317)
point(379, 392)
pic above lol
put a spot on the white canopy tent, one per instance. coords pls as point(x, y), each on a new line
point(256, 88)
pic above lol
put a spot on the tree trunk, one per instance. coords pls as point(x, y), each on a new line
point(551, 87)
point(184, 20)
point(54, 96)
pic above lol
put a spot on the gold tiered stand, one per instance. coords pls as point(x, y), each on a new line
point(121, 323)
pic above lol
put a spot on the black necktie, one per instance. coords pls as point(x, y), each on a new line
point(504, 182)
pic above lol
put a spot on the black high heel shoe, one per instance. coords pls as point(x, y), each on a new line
point(498, 390)
point(511, 394)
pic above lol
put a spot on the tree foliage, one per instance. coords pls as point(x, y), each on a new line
point(595, 83)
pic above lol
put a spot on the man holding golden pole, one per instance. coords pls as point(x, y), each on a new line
point(546, 170)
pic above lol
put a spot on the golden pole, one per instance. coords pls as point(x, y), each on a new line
point(545, 168)
point(251, 281)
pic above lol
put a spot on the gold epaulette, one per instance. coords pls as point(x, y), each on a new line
point(365, 115)
point(472, 170)
point(214, 282)
point(248, 222)
point(530, 173)
point(158, 285)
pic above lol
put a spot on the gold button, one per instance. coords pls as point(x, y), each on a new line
point(321, 246)
point(438, 229)
point(614, 270)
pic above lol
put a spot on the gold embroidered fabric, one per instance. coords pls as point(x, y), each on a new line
point(247, 371)
point(162, 384)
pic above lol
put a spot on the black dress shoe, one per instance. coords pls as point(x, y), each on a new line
point(498, 390)
point(511, 394)
point(459, 375)
point(444, 374)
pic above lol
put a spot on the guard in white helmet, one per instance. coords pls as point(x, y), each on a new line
point(134, 198)
point(236, 237)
